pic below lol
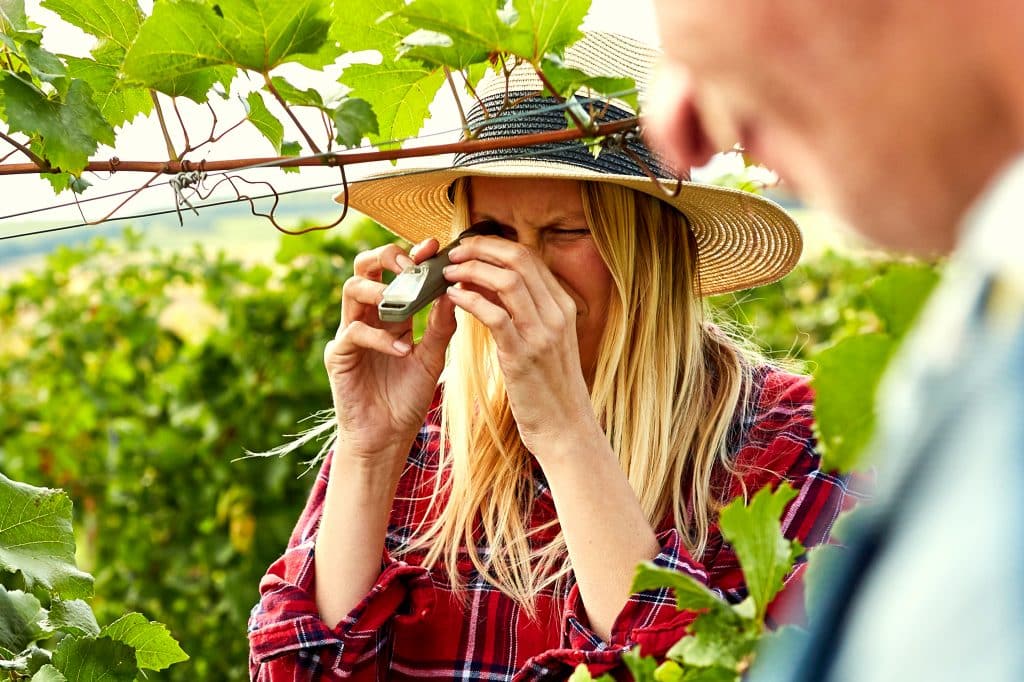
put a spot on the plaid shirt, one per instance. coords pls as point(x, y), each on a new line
point(411, 625)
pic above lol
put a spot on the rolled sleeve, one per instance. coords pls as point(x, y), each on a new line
point(289, 640)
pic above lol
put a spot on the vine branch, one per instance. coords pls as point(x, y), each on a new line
point(36, 159)
point(344, 158)
point(280, 100)
point(458, 102)
point(171, 154)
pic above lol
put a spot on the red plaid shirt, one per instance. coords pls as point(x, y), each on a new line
point(410, 625)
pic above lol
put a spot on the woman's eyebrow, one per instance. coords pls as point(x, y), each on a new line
point(566, 219)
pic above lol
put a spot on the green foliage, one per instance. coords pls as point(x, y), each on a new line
point(47, 633)
point(265, 122)
point(720, 641)
point(168, 368)
point(37, 546)
point(353, 118)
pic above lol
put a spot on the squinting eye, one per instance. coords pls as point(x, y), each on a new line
point(571, 233)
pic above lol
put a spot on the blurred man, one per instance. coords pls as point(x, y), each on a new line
point(907, 118)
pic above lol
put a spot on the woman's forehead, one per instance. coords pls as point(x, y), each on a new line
point(525, 197)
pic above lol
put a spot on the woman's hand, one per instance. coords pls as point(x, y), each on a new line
point(382, 385)
point(508, 288)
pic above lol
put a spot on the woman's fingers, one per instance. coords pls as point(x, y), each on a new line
point(491, 315)
point(358, 296)
point(510, 286)
point(437, 335)
point(424, 250)
point(372, 264)
point(359, 335)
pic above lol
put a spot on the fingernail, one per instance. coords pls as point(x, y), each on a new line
point(401, 346)
point(448, 269)
point(455, 253)
point(405, 261)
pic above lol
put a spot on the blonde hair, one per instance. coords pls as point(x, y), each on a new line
point(668, 387)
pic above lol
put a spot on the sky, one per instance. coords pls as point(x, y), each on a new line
point(142, 140)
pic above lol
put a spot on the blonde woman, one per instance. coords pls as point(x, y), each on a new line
point(480, 517)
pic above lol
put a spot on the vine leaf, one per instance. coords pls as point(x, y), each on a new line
point(48, 674)
point(764, 553)
point(353, 120)
point(73, 616)
point(369, 25)
point(399, 92)
point(567, 81)
point(454, 33)
point(113, 21)
point(690, 594)
point(899, 294)
point(36, 540)
point(20, 615)
point(155, 648)
point(101, 659)
point(117, 102)
point(268, 124)
point(12, 16)
point(845, 382)
point(67, 132)
point(293, 95)
point(545, 27)
point(186, 46)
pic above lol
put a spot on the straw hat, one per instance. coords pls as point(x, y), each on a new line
point(743, 240)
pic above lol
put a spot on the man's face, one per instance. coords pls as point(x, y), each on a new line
point(835, 96)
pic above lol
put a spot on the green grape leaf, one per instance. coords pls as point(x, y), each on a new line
point(567, 81)
point(36, 540)
point(185, 46)
point(49, 674)
point(290, 149)
point(293, 95)
point(669, 671)
point(845, 382)
point(436, 48)
point(754, 531)
point(899, 294)
point(73, 616)
point(453, 32)
point(118, 102)
point(12, 16)
point(690, 594)
point(712, 674)
point(400, 94)
point(264, 121)
point(44, 65)
point(369, 25)
point(641, 667)
point(353, 120)
point(582, 674)
point(86, 659)
point(114, 21)
point(544, 27)
point(155, 648)
point(20, 619)
point(715, 641)
point(776, 651)
point(68, 131)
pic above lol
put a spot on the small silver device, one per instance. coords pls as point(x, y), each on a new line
point(418, 285)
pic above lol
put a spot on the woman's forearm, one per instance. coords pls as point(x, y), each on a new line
point(350, 541)
point(605, 529)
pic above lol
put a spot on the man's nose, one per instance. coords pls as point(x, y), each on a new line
point(674, 124)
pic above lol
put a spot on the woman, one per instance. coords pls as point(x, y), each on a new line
point(488, 525)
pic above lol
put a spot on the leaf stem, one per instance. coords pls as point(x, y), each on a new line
point(587, 127)
point(184, 131)
point(458, 102)
point(171, 154)
point(280, 100)
point(43, 164)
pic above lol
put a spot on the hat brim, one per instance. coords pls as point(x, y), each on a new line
point(743, 240)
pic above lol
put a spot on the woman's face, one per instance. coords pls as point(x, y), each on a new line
point(547, 216)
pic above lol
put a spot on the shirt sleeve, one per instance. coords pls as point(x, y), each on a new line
point(287, 638)
point(779, 446)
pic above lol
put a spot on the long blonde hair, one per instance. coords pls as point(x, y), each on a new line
point(668, 387)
